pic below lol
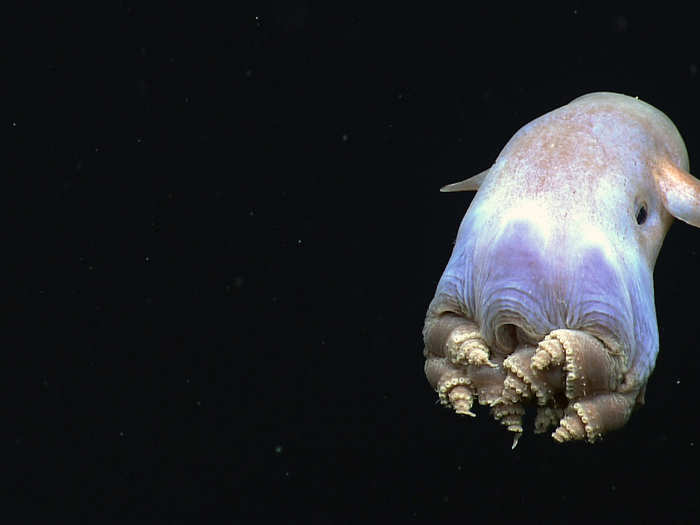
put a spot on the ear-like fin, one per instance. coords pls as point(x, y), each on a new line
point(470, 184)
point(680, 192)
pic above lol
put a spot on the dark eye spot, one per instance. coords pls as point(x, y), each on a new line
point(642, 214)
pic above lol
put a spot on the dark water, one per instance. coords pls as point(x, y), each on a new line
point(227, 230)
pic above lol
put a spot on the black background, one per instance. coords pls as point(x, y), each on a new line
point(225, 230)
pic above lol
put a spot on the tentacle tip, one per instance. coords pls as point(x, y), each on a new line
point(463, 407)
point(497, 401)
point(516, 438)
point(540, 360)
point(560, 435)
point(480, 357)
point(570, 428)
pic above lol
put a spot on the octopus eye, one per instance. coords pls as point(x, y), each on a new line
point(642, 214)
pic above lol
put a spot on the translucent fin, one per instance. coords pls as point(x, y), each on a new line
point(680, 192)
point(470, 184)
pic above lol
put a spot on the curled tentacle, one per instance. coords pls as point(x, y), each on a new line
point(544, 385)
point(592, 417)
point(462, 398)
point(572, 376)
point(465, 346)
point(510, 415)
point(550, 353)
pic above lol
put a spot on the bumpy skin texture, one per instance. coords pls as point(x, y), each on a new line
point(548, 296)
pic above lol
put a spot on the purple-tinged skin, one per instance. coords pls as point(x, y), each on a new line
point(548, 296)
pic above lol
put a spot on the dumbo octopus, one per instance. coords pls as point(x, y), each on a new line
point(548, 296)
